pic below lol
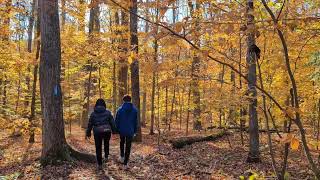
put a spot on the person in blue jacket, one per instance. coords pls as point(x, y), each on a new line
point(126, 123)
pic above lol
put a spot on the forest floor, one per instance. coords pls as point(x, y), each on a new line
point(222, 159)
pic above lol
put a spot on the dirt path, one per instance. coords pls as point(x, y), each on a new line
point(203, 160)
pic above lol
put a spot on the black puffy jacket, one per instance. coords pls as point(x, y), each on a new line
point(100, 116)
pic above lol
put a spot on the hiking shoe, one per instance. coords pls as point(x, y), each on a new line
point(99, 167)
point(105, 161)
point(121, 159)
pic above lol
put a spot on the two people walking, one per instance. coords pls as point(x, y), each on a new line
point(103, 125)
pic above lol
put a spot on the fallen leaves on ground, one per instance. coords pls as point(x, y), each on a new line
point(203, 160)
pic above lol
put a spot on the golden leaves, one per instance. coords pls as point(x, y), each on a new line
point(290, 138)
point(294, 144)
point(178, 27)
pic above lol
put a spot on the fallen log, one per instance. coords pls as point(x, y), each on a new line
point(188, 140)
point(246, 129)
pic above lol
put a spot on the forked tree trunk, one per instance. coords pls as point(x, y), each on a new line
point(54, 144)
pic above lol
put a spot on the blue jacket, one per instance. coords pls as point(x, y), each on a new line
point(100, 116)
point(126, 119)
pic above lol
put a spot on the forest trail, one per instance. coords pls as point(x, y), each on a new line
point(203, 160)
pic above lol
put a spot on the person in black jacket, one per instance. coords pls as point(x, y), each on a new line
point(102, 123)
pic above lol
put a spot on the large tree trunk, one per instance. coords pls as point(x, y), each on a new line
point(254, 154)
point(135, 84)
point(54, 144)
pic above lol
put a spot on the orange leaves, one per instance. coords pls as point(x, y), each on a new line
point(178, 27)
point(290, 138)
point(294, 144)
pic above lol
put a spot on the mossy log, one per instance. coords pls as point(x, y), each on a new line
point(188, 140)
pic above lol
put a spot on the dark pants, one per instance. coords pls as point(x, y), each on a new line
point(98, 138)
point(125, 151)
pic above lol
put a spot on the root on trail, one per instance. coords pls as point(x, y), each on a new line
point(89, 158)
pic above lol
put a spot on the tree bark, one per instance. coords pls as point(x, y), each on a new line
point(144, 109)
point(123, 64)
point(195, 68)
point(35, 78)
point(254, 153)
point(154, 74)
point(54, 144)
point(188, 109)
point(29, 47)
point(134, 67)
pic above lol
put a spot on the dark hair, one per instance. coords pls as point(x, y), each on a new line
point(126, 98)
point(101, 102)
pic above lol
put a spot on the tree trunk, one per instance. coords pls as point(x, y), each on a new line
point(99, 81)
point(123, 69)
point(4, 97)
point(94, 26)
point(35, 77)
point(188, 110)
point(232, 115)
point(144, 109)
point(152, 103)
point(114, 88)
point(221, 78)
point(172, 106)
point(18, 93)
point(54, 144)
point(166, 115)
point(63, 14)
point(135, 84)
point(254, 153)
point(85, 118)
point(154, 74)
point(195, 69)
point(29, 47)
